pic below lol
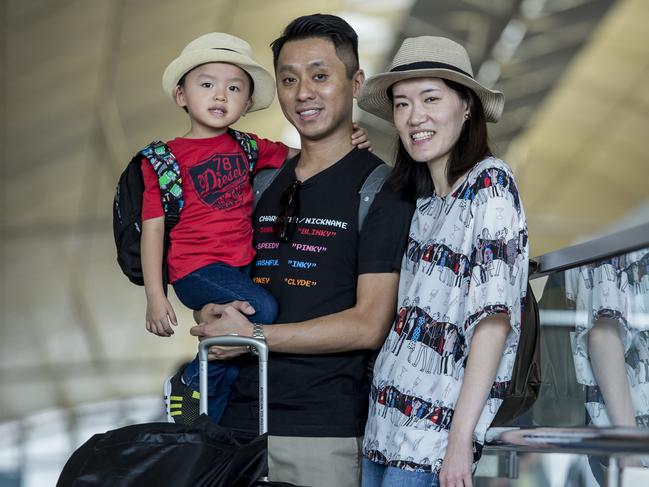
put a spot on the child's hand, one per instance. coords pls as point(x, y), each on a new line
point(159, 313)
point(360, 139)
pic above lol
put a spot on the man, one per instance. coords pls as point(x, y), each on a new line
point(336, 286)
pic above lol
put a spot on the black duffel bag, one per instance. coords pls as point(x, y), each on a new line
point(157, 454)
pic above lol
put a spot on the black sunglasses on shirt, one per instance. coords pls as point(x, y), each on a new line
point(286, 223)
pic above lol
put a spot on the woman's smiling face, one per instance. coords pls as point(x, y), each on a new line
point(428, 116)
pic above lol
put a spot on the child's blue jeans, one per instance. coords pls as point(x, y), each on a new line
point(220, 284)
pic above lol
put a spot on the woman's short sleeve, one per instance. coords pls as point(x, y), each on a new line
point(499, 255)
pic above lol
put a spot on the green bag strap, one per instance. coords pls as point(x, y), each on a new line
point(248, 145)
point(166, 168)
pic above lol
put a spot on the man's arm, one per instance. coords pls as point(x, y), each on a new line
point(363, 326)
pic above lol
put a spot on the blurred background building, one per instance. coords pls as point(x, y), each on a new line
point(80, 93)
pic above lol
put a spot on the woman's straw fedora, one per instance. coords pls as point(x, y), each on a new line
point(427, 57)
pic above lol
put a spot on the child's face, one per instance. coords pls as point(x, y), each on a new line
point(216, 95)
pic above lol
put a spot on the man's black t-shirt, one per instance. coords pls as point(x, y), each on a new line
point(313, 275)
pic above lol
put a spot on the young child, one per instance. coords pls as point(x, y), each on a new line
point(216, 81)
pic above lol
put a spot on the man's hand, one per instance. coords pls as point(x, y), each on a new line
point(360, 138)
point(224, 319)
point(212, 311)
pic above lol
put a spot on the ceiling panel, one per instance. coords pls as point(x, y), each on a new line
point(595, 122)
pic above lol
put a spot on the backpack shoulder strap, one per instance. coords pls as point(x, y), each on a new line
point(372, 185)
point(261, 182)
point(248, 145)
point(166, 168)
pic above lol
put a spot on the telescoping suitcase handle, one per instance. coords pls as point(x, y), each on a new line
point(237, 341)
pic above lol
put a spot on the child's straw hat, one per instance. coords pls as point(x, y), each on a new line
point(218, 47)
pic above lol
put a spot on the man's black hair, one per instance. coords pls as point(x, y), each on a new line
point(331, 27)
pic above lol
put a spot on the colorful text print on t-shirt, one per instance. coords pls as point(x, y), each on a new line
point(220, 181)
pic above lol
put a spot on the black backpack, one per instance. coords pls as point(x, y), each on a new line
point(127, 205)
point(526, 375)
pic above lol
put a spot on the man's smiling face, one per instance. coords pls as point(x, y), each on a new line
point(313, 88)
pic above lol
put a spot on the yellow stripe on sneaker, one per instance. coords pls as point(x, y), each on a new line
point(175, 413)
point(175, 406)
point(196, 395)
point(176, 398)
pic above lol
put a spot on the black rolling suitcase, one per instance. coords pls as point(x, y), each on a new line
point(168, 454)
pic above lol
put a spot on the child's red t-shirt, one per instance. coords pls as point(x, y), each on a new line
point(215, 223)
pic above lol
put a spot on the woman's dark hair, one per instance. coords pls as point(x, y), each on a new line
point(331, 27)
point(413, 178)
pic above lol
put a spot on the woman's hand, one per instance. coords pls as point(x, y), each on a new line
point(457, 465)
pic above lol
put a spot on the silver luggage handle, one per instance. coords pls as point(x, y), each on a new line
point(237, 341)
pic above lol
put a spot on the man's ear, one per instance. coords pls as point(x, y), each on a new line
point(358, 80)
point(179, 96)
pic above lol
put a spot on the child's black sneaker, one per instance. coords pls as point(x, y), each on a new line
point(182, 402)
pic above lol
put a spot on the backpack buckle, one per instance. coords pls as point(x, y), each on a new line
point(172, 213)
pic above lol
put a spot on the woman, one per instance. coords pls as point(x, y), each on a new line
point(463, 278)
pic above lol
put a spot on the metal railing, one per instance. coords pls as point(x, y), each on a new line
point(612, 442)
point(593, 250)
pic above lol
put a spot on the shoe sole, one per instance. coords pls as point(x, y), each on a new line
point(166, 389)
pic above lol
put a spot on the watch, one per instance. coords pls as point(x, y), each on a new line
point(257, 332)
